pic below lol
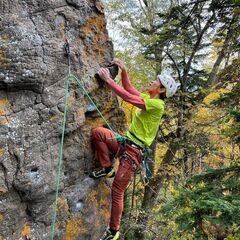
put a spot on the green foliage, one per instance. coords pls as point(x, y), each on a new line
point(230, 100)
point(179, 34)
point(208, 204)
point(140, 70)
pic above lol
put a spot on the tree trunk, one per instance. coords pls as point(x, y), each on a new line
point(152, 190)
point(185, 164)
point(156, 183)
point(158, 59)
point(213, 75)
point(195, 48)
point(212, 79)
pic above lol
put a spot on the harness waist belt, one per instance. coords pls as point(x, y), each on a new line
point(133, 144)
point(141, 141)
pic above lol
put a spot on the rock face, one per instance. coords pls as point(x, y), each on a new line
point(33, 68)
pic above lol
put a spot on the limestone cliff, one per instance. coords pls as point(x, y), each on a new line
point(32, 91)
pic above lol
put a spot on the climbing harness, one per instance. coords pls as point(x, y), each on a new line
point(144, 154)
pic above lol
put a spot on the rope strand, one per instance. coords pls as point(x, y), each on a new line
point(60, 162)
point(117, 136)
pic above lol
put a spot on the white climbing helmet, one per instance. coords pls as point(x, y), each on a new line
point(169, 83)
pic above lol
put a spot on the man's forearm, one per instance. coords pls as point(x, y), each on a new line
point(135, 100)
point(127, 84)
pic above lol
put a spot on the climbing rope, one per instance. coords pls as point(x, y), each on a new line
point(117, 136)
point(60, 161)
point(71, 76)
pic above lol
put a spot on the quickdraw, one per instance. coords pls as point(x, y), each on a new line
point(145, 155)
point(67, 51)
point(26, 237)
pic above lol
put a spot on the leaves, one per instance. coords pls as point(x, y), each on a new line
point(204, 199)
point(200, 128)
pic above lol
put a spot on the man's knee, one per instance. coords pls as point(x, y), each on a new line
point(96, 132)
point(117, 192)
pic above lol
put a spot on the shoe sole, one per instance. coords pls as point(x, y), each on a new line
point(116, 237)
point(111, 174)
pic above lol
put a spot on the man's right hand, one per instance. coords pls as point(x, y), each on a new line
point(104, 74)
point(120, 64)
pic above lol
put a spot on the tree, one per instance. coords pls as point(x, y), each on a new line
point(188, 28)
point(230, 101)
point(179, 37)
point(229, 33)
point(129, 19)
point(208, 205)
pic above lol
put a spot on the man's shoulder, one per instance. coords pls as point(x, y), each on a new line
point(152, 103)
point(144, 95)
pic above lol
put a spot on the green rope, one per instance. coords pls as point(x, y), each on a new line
point(93, 103)
point(117, 136)
point(60, 162)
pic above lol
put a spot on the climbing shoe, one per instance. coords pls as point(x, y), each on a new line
point(108, 172)
point(110, 236)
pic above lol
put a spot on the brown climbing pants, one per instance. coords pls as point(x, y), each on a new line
point(105, 143)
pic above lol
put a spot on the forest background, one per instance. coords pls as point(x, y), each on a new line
point(194, 192)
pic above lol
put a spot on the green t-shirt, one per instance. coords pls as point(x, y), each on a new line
point(145, 123)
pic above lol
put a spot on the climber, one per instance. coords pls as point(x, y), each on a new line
point(141, 133)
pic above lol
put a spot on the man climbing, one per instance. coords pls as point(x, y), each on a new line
point(141, 133)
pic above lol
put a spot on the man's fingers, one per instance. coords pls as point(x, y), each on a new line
point(105, 70)
point(114, 61)
point(117, 61)
point(104, 73)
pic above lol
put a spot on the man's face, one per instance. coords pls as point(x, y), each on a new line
point(154, 86)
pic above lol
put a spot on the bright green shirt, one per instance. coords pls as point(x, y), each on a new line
point(145, 123)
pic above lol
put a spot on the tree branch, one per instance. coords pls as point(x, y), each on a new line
point(195, 48)
point(175, 64)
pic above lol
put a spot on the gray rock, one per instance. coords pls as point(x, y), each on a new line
point(33, 70)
